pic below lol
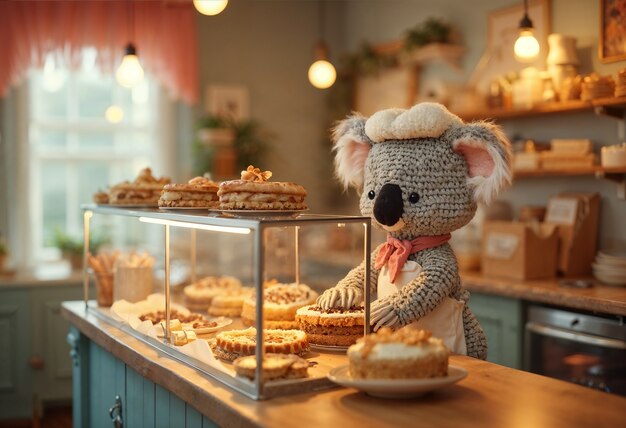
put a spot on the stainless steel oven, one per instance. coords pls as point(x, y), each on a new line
point(586, 349)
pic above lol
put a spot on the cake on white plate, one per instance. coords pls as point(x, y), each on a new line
point(254, 191)
point(404, 354)
point(199, 192)
point(331, 327)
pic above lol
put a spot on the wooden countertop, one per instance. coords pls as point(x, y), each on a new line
point(491, 396)
point(599, 298)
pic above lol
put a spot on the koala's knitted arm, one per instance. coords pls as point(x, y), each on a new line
point(438, 279)
point(349, 290)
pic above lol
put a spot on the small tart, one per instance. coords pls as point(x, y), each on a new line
point(199, 192)
point(275, 366)
point(235, 343)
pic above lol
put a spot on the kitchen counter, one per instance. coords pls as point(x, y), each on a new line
point(491, 396)
point(600, 298)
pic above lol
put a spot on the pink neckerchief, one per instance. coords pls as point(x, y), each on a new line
point(395, 252)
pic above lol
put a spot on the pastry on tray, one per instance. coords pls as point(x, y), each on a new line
point(280, 303)
point(275, 366)
point(198, 295)
point(230, 303)
point(144, 190)
point(404, 354)
point(230, 345)
point(199, 192)
point(101, 197)
point(254, 192)
point(331, 327)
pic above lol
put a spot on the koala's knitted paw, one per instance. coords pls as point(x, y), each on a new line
point(382, 314)
point(339, 297)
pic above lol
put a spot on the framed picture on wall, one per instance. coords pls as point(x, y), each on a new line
point(502, 32)
point(229, 102)
point(612, 30)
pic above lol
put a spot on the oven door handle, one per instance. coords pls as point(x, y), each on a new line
point(575, 336)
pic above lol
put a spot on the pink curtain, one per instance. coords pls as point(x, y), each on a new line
point(164, 33)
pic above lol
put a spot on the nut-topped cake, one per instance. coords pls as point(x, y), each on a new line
point(254, 191)
point(333, 326)
point(233, 344)
point(144, 190)
point(280, 303)
point(199, 192)
point(404, 354)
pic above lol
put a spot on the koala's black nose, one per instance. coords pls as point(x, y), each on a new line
point(388, 206)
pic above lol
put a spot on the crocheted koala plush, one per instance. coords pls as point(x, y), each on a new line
point(421, 173)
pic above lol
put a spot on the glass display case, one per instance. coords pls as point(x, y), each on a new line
point(156, 265)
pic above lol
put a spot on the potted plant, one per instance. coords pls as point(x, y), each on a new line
point(71, 247)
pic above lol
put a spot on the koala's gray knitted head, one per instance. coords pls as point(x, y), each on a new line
point(421, 170)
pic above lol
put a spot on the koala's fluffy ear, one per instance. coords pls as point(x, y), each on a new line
point(351, 147)
point(487, 152)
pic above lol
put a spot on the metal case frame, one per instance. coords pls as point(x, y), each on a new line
point(227, 224)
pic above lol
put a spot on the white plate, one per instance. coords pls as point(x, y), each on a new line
point(328, 348)
point(221, 323)
point(396, 388)
point(257, 213)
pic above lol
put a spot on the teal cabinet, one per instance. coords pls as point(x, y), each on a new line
point(16, 387)
point(35, 365)
point(99, 378)
point(501, 319)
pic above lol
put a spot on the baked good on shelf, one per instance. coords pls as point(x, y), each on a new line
point(275, 366)
point(199, 294)
point(101, 197)
point(404, 354)
point(596, 86)
point(331, 327)
point(230, 345)
point(159, 316)
point(230, 303)
point(280, 303)
point(199, 192)
point(144, 190)
point(254, 192)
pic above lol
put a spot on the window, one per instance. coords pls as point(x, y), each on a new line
point(85, 132)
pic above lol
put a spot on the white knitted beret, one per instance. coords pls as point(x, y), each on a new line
point(425, 120)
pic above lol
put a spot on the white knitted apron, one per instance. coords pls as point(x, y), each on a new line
point(445, 321)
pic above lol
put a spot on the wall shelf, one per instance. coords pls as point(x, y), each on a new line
point(617, 175)
point(610, 106)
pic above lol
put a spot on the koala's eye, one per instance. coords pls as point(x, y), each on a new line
point(371, 194)
point(414, 197)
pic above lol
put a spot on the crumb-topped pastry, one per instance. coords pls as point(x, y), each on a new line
point(198, 295)
point(144, 190)
point(331, 327)
point(280, 303)
point(229, 345)
point(254, 192)
point(275, 366)
point(404, 354)
point(199, 192)
point(101, 197)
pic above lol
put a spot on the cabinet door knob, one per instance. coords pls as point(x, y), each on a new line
point(115, 413)
point(36, 362)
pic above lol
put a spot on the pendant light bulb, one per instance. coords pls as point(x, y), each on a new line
point(210, 7)
point(129, 73)
point(322, 73)
point(526, 46)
